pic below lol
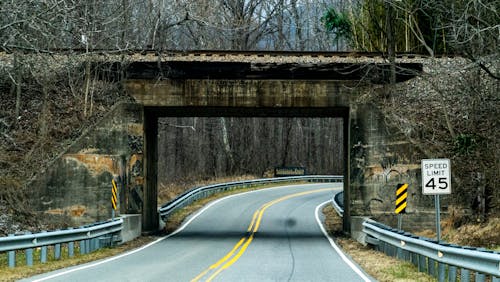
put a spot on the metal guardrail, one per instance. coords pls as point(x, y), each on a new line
point(441, 260)
point(89, 237)
point(205, 191)
point(437, 259)
point(338, 203)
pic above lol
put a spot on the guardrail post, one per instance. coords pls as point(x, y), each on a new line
point(385, 248)
point(71, 246)
point(82, 247)
point(57, 251)
point(95, 243)
point(43, 254)
point(452, 273)
point(441, 271)
point(110, 240)
point(394, 251)
point(480, 277)
point(414, 258)
point(431, 267)
point(71, 249)
point(29, 257)
point(407, 255)
point(464, 275)
point(88, 248)
point(43, 251)
point(29, 254)
point(422, 264)
point(118, 238)
point(399, 253)
point(11, 255)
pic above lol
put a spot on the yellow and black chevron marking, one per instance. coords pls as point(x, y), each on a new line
point(401, 195)
point(114, 195)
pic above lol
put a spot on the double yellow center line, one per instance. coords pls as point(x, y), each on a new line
point(237, 251)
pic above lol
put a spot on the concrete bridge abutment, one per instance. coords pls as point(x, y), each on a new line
point(376, 156)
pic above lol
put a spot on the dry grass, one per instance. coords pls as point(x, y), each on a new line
point(486, 234)
point(376, 264)
point(380, 266)
point(457, 229)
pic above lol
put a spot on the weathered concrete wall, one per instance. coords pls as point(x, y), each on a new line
point(122, 146)
point(78, 184)
point(380, 158)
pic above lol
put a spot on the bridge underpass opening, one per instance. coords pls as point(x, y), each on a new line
point(235, 141)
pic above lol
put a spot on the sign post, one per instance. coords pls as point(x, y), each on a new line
point(401, 195)
point(436, 180)
point(114, 198)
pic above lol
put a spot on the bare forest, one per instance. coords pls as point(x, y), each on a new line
point(221, 147)
point(46, 102)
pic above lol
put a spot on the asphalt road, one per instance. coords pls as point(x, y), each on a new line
point(266, 235)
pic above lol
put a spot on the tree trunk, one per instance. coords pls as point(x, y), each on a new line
point(227, 145)
point(391, 42)
point(16, 87)
point(87, 87)
point(287, 124)
point(44, 115)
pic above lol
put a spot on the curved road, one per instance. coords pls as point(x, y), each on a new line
point(265, 235)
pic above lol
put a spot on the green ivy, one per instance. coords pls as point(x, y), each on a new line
point(337, 23)
point(465, 143)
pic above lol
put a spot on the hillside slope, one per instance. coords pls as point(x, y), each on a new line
point(452, 111)
point(45, 105)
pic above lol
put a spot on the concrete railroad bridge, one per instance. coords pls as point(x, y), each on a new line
point(263, 84)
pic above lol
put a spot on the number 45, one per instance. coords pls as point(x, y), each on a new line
point(442, 184)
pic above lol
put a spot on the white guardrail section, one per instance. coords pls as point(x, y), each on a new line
point(446, 262)
point(205, 191)
point(89, 238)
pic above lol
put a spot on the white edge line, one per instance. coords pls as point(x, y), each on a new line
point(78, 268)
point(353, 266)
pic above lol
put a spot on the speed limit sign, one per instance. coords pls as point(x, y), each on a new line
point(436, 176)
